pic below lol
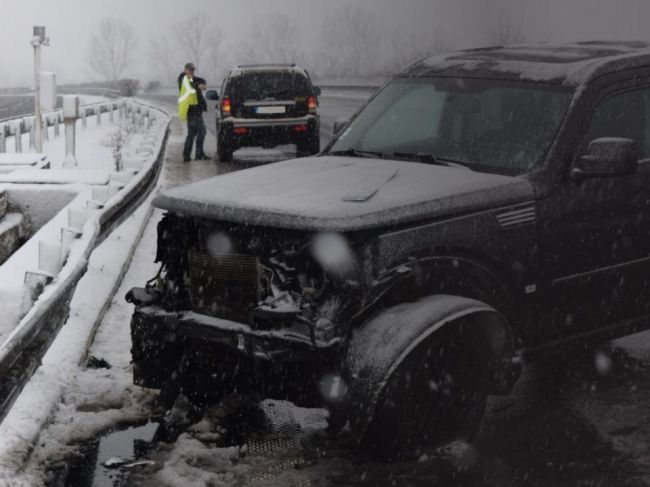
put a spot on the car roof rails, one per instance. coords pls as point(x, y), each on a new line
point(267, 65)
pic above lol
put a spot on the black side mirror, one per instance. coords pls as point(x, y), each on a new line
point(212, 95)
point(340, 124)
point(607, 157)
point(317, 90)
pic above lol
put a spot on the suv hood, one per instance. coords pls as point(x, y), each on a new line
point(343, 194)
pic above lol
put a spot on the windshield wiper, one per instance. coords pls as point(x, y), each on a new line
point(357, 153)
point(428, 158)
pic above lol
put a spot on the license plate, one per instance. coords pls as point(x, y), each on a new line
point(270, 110)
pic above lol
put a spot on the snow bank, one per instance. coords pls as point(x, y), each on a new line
point(22, 426)
point(77, 415)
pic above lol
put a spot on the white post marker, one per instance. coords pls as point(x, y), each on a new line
point(38, 40)
point(70, 116)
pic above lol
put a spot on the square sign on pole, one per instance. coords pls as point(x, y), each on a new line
point(48, 91)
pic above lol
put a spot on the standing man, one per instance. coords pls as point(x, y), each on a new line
point(191, 105)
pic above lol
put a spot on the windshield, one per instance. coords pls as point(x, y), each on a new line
point(265, 85)
point(487, 125)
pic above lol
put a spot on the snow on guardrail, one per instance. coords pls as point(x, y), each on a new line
point(15, 128)
point(63, 252)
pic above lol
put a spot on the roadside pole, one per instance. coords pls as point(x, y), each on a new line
point(38, 41)
point(70, 116)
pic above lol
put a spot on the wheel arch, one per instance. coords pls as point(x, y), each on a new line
point(378, 347)
point(456, 271)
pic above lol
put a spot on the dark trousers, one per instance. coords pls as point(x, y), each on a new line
point(195, 130)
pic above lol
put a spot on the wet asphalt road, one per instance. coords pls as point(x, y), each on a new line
point(568, 422)
point(15, 106)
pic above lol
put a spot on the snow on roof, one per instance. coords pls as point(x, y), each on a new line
point(569, 64)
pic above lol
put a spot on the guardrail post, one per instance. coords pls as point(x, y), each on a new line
point(49, 257)
point(46, 128)
point(84, 118)
point(70, 116)
point(99, 116)
point(57, 128)
point(3, 138)
point(111, 113)
point(32, 134)
point(19, 136)
point(34, 284)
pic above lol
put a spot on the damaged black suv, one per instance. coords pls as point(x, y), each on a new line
point(482, 205)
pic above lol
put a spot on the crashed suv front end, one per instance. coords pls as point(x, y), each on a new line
point(261, 299)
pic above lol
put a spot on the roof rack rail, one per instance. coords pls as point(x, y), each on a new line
point(268, 65)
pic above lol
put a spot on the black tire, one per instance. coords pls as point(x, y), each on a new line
point(224, 150)
point(437, 395)
point(311, 147)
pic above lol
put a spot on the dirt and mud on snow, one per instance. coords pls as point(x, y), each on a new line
point(583, 423)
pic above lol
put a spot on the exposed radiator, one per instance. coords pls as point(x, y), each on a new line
point(225, 286)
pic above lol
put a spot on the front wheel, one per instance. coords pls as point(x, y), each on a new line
point(436, 395)
point(224, 149)
point(310, 147)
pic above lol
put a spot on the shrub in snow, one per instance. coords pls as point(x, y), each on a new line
point(119, 139)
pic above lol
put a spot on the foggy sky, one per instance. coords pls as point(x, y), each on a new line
point(462, 23)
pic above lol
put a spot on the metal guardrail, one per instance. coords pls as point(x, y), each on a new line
point(21, 358)
point(18, 126)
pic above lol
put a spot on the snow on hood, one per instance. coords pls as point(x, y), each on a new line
point(314, 193)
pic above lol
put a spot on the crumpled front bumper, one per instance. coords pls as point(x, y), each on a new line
point(273, 345)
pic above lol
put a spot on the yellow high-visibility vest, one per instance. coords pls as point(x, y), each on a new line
point(186, 98)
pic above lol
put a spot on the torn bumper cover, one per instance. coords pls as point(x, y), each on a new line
point(261, 344)
point(161, 337)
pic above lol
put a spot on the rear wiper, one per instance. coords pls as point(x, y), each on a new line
point(357, 153)
point(428, 158)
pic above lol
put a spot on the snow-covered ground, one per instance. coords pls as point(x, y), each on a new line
point(42, 190)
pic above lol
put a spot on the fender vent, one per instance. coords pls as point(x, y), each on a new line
point(518, 217)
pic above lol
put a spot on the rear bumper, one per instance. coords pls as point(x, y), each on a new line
point(261, 132)
point(269, 122)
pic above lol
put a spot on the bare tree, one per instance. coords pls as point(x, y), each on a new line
point(404, 49)
point(112, 48)
point(506, 32)
point(163, 53)
point(351, 40)
point(200, 41)
point(273, 39)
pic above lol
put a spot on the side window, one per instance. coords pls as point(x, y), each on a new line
point(625, 115)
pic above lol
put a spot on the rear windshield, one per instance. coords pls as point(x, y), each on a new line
point(265, 85)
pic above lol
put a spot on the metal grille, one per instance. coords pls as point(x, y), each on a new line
point(225, 286)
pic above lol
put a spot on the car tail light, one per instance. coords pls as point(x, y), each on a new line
point(241, 130)
point(300, 128)
point(312, 104)
point(225, 106)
